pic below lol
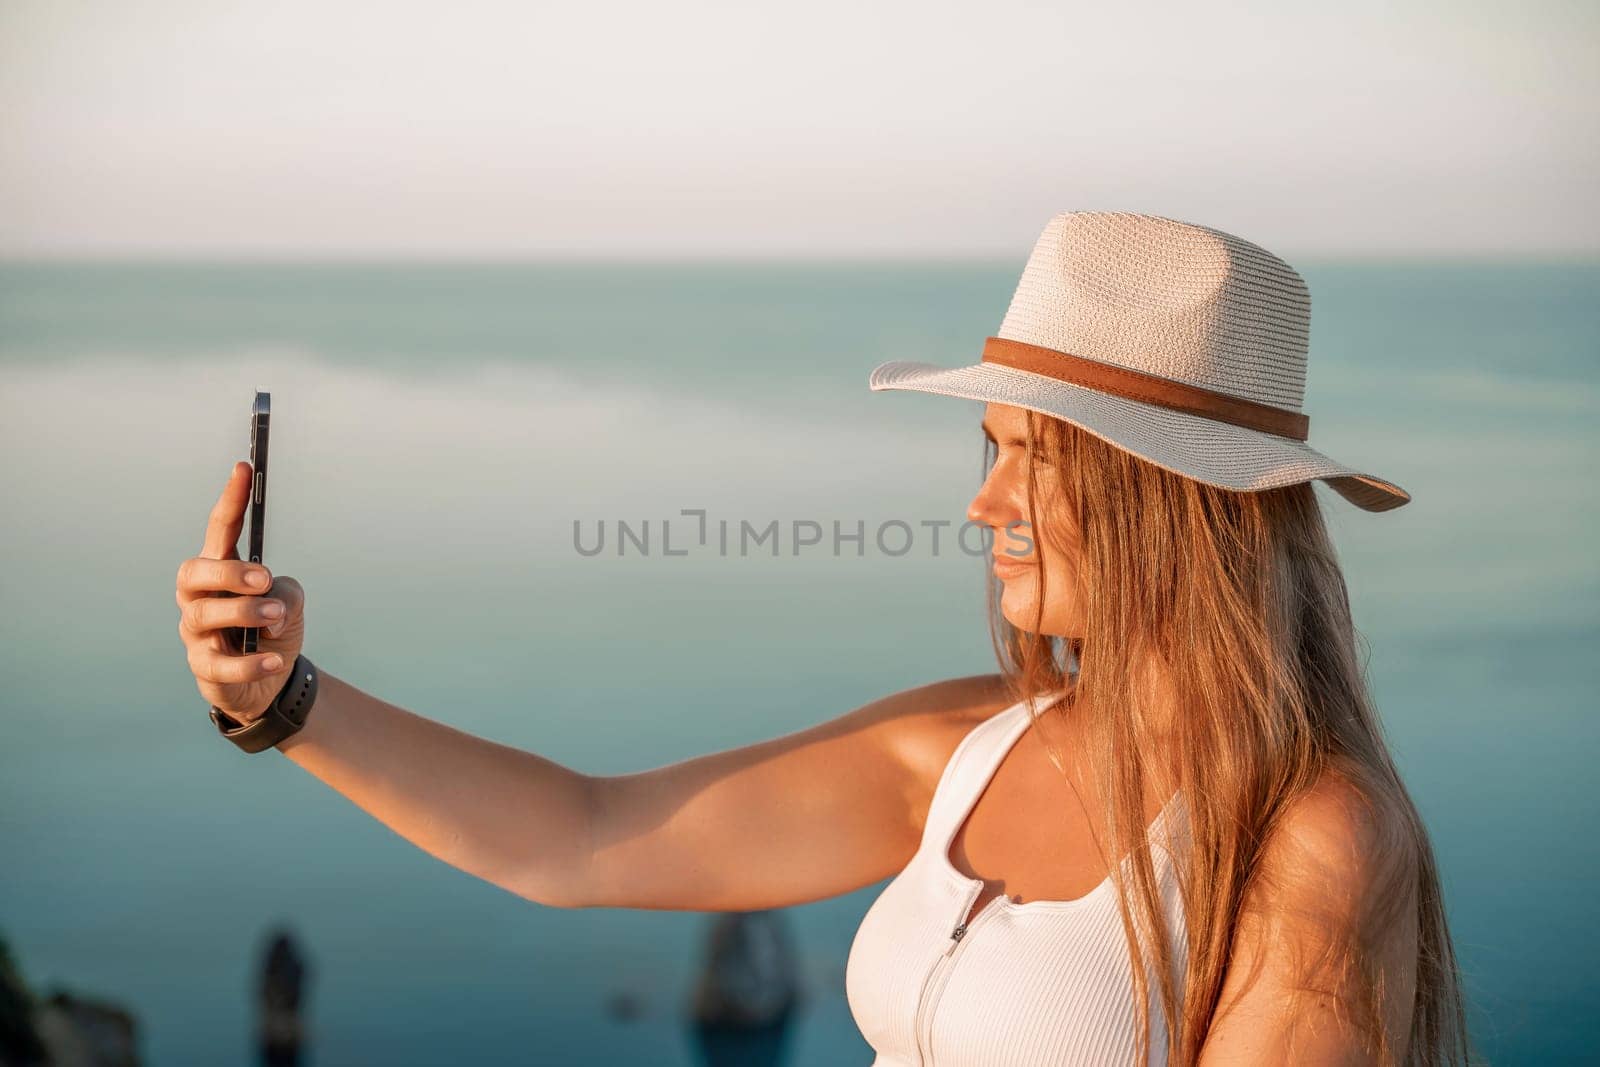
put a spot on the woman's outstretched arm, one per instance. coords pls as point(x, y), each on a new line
point(799, 818)
point(510, 817)
point(802, 817)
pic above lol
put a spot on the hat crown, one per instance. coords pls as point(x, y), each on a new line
point(1170, 298)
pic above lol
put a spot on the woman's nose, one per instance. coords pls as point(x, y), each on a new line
point(977, 511)
point(992, 505)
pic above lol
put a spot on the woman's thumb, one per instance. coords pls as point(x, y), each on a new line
point(293, 595)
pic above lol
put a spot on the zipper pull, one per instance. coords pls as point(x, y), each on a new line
point(955, 938)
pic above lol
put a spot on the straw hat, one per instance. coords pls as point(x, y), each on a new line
point(1181, 344)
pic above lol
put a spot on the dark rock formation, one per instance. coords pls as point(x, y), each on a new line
point(748, 990)
point(63, 1030)
point(282, 1030)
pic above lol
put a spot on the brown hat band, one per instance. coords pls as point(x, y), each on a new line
point(1147, 388)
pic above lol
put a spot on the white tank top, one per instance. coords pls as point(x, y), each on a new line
point(1021, 985)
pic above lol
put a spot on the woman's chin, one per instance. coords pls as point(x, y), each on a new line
point(1018, 608)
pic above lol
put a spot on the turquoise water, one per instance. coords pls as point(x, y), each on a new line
point(438, 431)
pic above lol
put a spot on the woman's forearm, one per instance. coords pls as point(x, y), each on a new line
point(510, 817)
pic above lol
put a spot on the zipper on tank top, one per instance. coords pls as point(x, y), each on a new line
point(933, 983)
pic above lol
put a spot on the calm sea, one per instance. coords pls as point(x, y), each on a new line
point(439, 430)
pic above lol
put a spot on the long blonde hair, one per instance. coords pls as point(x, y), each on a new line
point(1239, 597)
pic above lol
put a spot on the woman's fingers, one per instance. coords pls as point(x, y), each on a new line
point(224, 668)
point(206, 613)
point(217, 569)
point(199, 576)
point(227, 517)
point(218, 593)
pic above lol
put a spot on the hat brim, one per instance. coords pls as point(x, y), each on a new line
point(1217, 453)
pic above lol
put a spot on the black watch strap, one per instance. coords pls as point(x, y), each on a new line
point(284, 716)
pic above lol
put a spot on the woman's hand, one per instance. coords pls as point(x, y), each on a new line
point(218, 592)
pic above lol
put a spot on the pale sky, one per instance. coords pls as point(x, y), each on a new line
point(291, 128)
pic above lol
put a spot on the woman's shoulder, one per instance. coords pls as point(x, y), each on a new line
point(1328, 930)
point(1347, 824)
point(1343, 849)
point(936, 718)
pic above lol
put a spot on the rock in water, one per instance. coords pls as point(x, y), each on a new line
point(87, 1033)
point(749, 978)
point(63, 1030)
point(283, 978)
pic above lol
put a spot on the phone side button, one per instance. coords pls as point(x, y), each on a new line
point(258, 487)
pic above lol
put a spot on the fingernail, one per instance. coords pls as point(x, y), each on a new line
point(272, 611)
point(272, 663)
point(258, 579)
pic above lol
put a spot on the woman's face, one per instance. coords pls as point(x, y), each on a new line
point(1002, 503)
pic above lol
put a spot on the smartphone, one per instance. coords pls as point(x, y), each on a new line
point(260, 421)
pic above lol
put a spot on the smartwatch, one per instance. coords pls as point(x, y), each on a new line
point(284, 716)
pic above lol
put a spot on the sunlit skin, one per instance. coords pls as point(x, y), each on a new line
point(1002, 503)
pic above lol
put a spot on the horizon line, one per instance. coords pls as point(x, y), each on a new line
point(1562, 257)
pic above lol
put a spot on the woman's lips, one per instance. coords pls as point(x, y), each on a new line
point(1010, 566)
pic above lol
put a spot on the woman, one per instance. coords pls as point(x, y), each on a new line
point(1179, 688)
